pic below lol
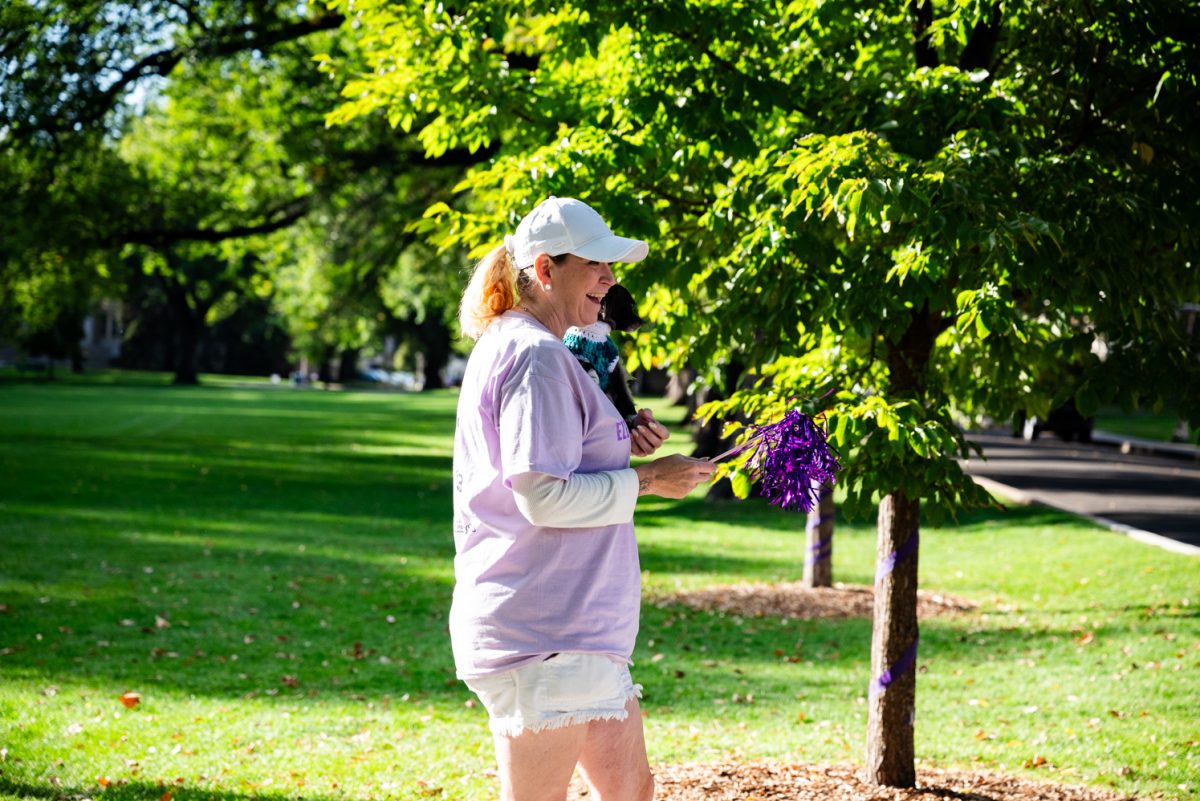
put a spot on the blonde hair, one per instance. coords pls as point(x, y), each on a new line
point(493, 290)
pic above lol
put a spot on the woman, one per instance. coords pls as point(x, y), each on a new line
point(547, 580)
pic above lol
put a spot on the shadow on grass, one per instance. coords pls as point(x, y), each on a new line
point(821, 655)
point(226, 543)
point(830, 659)
point(273, 499)
point(145, 791)
point(151, 542)
point(219, 620)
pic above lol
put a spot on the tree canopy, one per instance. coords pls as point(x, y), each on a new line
point(910, 218)
point(176, 154)
point(958, 202)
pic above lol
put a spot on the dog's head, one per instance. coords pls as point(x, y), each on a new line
point(619, 309)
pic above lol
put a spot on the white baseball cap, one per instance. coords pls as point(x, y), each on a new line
point(561, 225)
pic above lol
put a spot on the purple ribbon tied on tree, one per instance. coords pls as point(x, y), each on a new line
point(903, 664)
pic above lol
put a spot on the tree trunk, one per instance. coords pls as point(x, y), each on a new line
point(188, 314)
point(892, 703)
point(893, 694)
point(436, 345)
point(818, 563)
point(348, 366)
point(76, 359)
point(186, 372)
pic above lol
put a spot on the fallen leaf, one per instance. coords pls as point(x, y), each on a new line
point(103, 781)
point(161, 622)
point(130, 700)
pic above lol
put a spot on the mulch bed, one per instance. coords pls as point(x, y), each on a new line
point(775, 781)
point(792, 600)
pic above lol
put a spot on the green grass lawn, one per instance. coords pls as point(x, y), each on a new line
point(270, 569)
point(1142, 425)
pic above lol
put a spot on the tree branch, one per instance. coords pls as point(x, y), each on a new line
point(387, 154)
point(981, 46)
point(923, 49)
point(695, 205)
point(1087, 122)
point(225, 42)
point(276, 219)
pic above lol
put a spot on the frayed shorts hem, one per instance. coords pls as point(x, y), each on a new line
point(515, 727)
point(567, 689)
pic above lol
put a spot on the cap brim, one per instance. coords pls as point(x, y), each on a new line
point(613, 248)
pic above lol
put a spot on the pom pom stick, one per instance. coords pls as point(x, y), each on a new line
point(790, 461)
point(736, 449)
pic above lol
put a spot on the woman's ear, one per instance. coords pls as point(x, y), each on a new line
point(541, 269)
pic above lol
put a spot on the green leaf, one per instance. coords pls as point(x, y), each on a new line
point(741, 484)
point(1087, 401)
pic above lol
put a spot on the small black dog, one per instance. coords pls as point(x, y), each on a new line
point(619, 310)
point(598, 354)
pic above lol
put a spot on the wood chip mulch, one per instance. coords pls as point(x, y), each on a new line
point(792, 600)
point(775, 781)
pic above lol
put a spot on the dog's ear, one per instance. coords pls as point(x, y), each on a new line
point(619, 309)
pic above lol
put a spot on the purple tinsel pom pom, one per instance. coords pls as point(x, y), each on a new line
point(791, 460)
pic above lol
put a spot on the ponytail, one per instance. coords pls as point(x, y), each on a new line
point(491, 292)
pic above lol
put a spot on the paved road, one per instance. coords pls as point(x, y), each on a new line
point(1157, 494)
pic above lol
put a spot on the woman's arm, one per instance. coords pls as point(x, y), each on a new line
point(673, 476)
point(605, 498)
point(584, 500)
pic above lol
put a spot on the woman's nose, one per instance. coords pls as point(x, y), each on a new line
point(606, 273)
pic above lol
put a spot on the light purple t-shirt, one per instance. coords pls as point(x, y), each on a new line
point(523, 592)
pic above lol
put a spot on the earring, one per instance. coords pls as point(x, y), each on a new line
point(546, 286)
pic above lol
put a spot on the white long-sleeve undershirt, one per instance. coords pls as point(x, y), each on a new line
point(582, 501)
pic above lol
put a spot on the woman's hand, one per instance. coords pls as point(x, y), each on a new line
point(647, 434)
point(673, 476)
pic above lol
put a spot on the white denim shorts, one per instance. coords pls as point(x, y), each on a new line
point(563, 690)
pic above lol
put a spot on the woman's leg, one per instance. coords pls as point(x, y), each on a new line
point(537, 766)
point(614, 758)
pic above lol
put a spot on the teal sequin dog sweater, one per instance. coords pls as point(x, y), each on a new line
point(594, 349)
